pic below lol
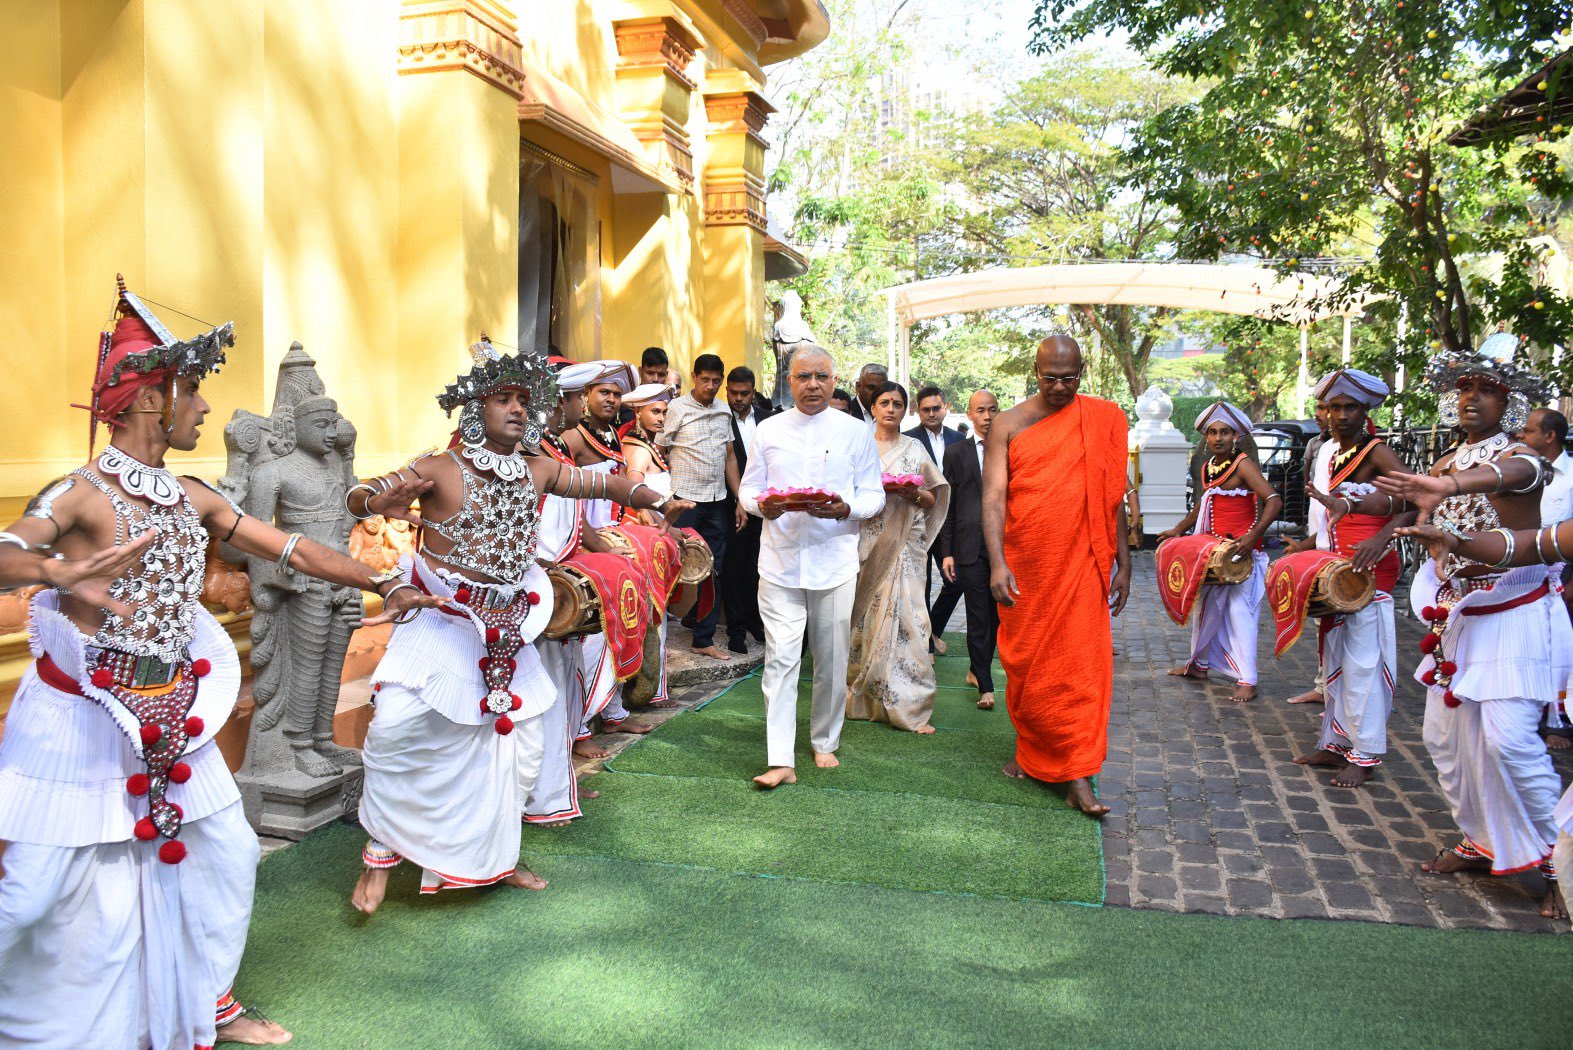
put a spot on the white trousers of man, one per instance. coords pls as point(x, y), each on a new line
point(1223, 634)
point(554, 794)
point(826, 617)
point(1360, 657)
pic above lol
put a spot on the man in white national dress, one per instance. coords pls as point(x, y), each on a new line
point(109, 937)
point(457, 738)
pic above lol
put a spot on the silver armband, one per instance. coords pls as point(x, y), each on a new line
point(1507, 554)
point(370, 492)
point(1535, 482)
point(289, 548)
point(14, 540)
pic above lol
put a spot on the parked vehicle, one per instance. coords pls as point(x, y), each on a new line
point(1281, 448)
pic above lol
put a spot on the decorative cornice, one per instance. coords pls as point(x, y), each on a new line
point(735, 202)
point(654, 56)
point(473, 35)
point(663, 43)
point(749, 19)
point(738, 111)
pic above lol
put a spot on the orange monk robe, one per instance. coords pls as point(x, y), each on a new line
point(1067, 478)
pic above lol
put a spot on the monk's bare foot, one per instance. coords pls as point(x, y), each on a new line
point(1352, 776)
point(1078, 795)
point(972, 679)
point(775, 776)
point(369, 890)
point(525, 879)
point(1551, 905)
point(1243, 694)
point(588, 748)
point(1448, 863)
point(826, 760)
point(986, 701)
point(1187, 671)
point(628, 725)
point(923, 730)
point(252, 1030)
point(1014, 771)
point(1322, 758)
point(1557, 743)
point(1312, 697)
point(715, 652)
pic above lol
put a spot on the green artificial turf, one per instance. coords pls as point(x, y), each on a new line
point(617, 953)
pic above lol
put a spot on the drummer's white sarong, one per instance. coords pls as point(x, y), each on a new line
point(1223, 633)
point(554, 793)
point(1360, 656)
point(106, 946)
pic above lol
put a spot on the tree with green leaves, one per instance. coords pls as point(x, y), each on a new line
point(1321, 141)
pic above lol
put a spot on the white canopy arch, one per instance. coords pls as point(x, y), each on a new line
point(1247, 290)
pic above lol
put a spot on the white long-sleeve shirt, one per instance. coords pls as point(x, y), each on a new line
point(828, 450)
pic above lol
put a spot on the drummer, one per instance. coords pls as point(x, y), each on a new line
point(1236, 503)
point(1359, 650)
point(643, 461)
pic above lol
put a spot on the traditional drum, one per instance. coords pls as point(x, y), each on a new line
point(640, 689)
point(576, 607)
point(1186, 563)
point(619, 540)
point(1317, 584)
point(696, 560)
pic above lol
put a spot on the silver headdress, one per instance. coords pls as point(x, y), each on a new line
point(493, 371)
point(1493, 361)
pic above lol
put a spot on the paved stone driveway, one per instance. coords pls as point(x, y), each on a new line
point(1211, 815)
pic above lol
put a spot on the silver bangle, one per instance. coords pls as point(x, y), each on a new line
point(289, 548)
point(409, 614)
point(1498, 471)
point(1556, 542)
point(370, 492)
point(1540, 546)
point(1507, 556)
point(1533, 483)
point(14, 540)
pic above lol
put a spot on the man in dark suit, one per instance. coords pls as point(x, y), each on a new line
point(964, 559)
point(870, 378)
point(739, 582)
point(935, 437)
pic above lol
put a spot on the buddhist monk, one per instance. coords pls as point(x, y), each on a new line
point(1055, 525)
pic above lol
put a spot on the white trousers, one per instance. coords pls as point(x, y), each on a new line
point(1223, 632)
point(1562, 860)
point(109, 947)
point(826, 616)
point(1360, 657)
point(554, 793)
point(447, 796)
point(1497, 777)
point(603, 694)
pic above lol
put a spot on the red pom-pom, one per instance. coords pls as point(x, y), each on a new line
point(1442, 613)
point(1429, 643)
point(1450, 700)
point(483, 663)
point(137, 784)
point(484, 708)
point(462, 596)
point(504, 725)
point(532, 598)
point(1429, 677)
point(151, 735)
point(493, 635)
point(1448, 668)
point(145, 829)
point(180, 772)
point(172, 852)
point(1428, 614)
point(200, 668)
point(517, 702)
point(101, 678)
point(194, 726)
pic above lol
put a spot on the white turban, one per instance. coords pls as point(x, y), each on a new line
point(1223, 412)
point(1363, 387)
point(572, 378)
point(613, 373)
point(647, 394)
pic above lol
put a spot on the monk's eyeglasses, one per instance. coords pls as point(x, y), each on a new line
point(1070, 380)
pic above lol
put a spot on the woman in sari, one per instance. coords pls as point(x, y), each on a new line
point(890, 676)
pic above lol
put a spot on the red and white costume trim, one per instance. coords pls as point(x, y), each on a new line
point(1223, 632)
point(554, 792)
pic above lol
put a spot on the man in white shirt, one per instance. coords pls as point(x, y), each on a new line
point(1547, 433)
point(808, 560)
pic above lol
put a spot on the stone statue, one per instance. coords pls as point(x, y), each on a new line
point(790, 329)
point(292, 468)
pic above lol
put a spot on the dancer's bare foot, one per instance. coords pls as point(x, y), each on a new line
point(369, 890)
point(826, 760)
point(1243, 694)
point(1322, 758)
point(1552, 905)
point(627, 725)
point(663, 705)
point(550, 823)
point(252, 1030)
point(588, 748)
point(1079, 795)
point(525, 879)
point(775, 776)
point(986, 701)
point(1311, 697)
point(1448, 863)
point(586, 793)
point(715, 652)
point(1557, 743)
point(1187, 671)
point(1014, 770)
point(1352, 776)
point(923, 730)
